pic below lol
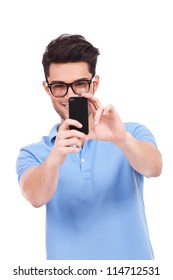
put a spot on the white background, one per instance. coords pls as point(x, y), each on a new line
point(135, 39)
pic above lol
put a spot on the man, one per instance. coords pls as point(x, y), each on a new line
point(92, 185)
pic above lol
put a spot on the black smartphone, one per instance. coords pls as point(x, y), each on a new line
point(78, 110)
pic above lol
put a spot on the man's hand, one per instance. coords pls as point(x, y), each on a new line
point(67, 141)
point(107, 124)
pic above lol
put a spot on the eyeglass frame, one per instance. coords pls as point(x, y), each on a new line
point(68, 85)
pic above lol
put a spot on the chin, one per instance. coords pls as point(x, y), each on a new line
point(64, 114)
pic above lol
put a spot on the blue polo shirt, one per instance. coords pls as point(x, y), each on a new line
point(97, 211)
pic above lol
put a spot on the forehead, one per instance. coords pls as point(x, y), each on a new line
point(69, 71)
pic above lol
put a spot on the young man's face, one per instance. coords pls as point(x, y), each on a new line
point(67, 73)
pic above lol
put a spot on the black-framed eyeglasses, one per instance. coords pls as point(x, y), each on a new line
point(60, 89)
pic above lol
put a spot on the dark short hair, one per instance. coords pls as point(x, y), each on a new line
point(70, 48)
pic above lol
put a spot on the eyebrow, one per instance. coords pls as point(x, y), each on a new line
point(62, 82)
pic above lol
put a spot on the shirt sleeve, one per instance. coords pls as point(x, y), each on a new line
point(25, 160)
point(35, 153)
point(141, 132)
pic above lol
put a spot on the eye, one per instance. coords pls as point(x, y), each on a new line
point(58, 86)
point(81, 83)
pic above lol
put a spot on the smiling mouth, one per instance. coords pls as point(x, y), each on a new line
point(65, 105)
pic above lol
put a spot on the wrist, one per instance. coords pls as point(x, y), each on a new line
point(123, 140)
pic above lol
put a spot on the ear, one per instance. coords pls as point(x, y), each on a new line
point(96, 83)
point(46, 88)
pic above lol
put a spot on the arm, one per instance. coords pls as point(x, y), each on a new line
point(143, 156)
point(38, 184)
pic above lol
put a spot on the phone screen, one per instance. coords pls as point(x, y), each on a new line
point(78, 110)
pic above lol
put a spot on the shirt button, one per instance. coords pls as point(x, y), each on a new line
point(83, 160)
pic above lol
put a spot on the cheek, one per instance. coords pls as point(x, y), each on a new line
point(55, 103)
point(62, 110)
point(92, 89)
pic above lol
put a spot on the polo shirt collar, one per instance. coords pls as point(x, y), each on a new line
point(53, 132)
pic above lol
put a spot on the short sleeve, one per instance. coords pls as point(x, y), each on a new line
point(25, 160)
point(141, 132)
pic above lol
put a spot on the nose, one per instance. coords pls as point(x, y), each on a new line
point(70, 92)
